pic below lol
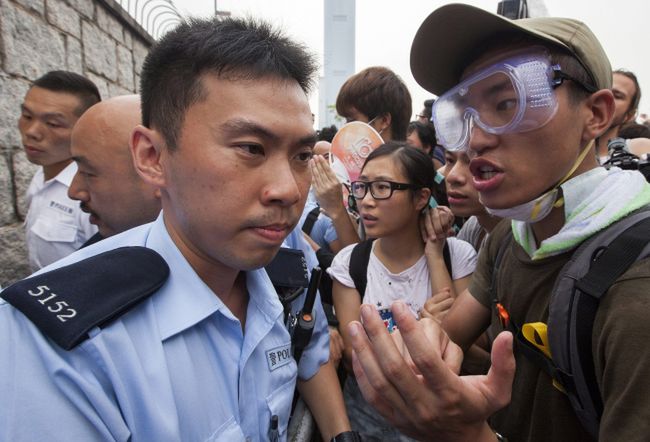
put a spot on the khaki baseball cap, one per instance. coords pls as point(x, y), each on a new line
point(448, 38)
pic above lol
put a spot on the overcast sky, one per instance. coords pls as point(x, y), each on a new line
point(385, 30)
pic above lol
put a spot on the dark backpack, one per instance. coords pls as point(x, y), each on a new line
point(567, 357)
point(361, 256)
point(310, 220)
point(325, 257)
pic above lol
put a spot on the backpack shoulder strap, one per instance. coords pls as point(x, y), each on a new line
point(583, 281)
point(359, 265)
point(310, 220)
point(361, 256)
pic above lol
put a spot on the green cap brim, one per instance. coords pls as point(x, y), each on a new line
point(450, 35)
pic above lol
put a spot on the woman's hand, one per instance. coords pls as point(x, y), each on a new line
point(436, 224)
point(327, 188)
point(336, 346)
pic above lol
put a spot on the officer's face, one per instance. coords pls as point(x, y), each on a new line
point(106, 183)
point(45, 124)
point(238, 181)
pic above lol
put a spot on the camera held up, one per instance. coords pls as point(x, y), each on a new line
point(621, 157)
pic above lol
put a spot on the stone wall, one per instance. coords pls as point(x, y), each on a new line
point(95, 38)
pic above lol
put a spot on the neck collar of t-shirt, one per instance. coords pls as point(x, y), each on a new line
point(593, 201)
point(405, 274)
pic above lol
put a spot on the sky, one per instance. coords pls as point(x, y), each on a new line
point(385, 30)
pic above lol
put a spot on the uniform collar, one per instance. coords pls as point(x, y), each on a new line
point(67, 174)
point(185, 299)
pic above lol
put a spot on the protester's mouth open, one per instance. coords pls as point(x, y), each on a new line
point(486, 176)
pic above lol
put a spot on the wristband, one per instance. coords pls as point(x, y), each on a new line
point(347, 436)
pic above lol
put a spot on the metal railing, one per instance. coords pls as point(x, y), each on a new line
point(155, 16)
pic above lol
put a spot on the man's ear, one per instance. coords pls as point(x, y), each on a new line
point(384, 122)
point(146, 148)
point(601, 106)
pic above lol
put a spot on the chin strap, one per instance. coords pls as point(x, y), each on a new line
point(560, 201)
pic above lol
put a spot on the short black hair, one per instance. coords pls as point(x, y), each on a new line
point(72, 83)
point(426, 110)
point(376, 91)
point(426, 134)
point(231, 48)
point(327, 133)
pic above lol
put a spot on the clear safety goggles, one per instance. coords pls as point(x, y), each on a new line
point(514, 95)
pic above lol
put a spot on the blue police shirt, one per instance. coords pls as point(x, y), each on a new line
point(323, 231)
point(175, 367)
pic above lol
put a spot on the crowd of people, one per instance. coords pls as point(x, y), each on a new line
point(200, 267)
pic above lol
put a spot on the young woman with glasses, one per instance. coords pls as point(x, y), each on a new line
point(406, 261)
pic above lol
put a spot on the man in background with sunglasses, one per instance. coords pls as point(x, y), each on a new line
point(525, 99)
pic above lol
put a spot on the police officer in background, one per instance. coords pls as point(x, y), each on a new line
point(55, 226)
point(226, 136)
point(106, 183)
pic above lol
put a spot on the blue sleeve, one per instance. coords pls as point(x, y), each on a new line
point(48, 393)
point(439, 154)
point(330, 232)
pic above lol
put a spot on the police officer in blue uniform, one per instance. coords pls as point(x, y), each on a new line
point(172, 330)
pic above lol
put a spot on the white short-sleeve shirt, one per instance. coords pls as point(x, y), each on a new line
point(412, 285)
point(55, 225)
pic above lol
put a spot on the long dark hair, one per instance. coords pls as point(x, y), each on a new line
point(415, 164)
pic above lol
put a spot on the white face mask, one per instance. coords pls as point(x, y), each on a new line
point(532, 211)
point(539, 208)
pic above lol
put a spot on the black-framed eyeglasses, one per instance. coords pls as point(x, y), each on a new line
point(380, 189)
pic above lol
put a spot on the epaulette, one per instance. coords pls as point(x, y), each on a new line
point(66, 303)
point(289, 275)
point(288, 269)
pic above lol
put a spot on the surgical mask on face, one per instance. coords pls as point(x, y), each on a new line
point(532, 211)
point(539, 208)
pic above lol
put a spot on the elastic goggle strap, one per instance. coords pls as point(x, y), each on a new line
point(560, 201)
